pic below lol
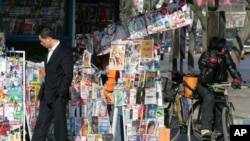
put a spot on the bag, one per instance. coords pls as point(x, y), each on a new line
point(218, 89)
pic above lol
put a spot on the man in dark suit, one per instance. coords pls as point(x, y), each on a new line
point(54, 92)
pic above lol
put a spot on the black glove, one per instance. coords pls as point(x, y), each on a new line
point(236, 83)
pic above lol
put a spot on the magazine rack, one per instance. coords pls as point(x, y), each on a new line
point(87, 116)
point(12, 113)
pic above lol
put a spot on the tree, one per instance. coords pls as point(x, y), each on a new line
point(241, 38)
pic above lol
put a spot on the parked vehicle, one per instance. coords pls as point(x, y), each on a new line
point(246, 47)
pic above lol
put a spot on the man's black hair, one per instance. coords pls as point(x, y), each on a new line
point(45, 31)
point(216, 43)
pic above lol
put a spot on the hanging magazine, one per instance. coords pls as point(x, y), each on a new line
point(137, 27)
point(155, 21)
point(86, 59)
point(117, 57)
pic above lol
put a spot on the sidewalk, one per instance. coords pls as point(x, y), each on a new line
point(241, 101)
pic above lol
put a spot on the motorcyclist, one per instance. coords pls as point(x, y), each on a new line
point(214, 64)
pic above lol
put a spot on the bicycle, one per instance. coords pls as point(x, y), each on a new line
point(179, 120)
point(172, 120)
point(222, 105)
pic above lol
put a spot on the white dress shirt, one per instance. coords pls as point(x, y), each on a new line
point(51, 50)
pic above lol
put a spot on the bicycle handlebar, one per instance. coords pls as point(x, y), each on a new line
point(228, 85)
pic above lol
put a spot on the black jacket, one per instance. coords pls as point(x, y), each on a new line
point(58, 75)
point(210, 75)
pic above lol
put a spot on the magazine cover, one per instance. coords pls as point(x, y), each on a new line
point(154, 21)
point(74, 108)
point(34, 89)
point(136, 80)
point(86, 59)
point(143, 127)
point(95, 111)
point(77, 127)
point(98, 92)
point(86, 76)
point(138, 111)
point(80, 41)
point(1, 112)
point(91, 137)
point(104, 126)
point(129, 81)
point(86, 92)
point(149, 137)
point(102, 108)
point(107, 137)
point(132, 96)
point(160, 117)
point(28, 74)
point(151, 110)
point(120, 96)
point(135, 127)
point(2, 65)
point(146, 48)
point(150, 79)
point(128, 126)
point(90, 109)
point(149, 64)
point(83, 106)
point(75, 90)
point(83, 129)
point(98, 137)
point(134, 138)
point(94, 125)
point(177, 19)
point(152, 125)
point(150, 96)
point(117, 56)
point(136, 27)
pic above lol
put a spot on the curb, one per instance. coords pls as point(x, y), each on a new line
point(242, 121)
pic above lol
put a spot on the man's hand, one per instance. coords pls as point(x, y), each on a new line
point(236, 83)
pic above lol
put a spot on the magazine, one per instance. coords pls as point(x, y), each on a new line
point(149, 137)
point(146, 48)
point(138, 112)
point(117, 57)
point(107, 137)
point(102, 108)
point(86, 59)
point(94, 125)
point(120, 96)
point(104, 126)
point(143, 127)
point(150, 96)
point(151, 110)
point(98, 92)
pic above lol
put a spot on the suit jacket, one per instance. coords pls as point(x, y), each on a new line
point(58, 75)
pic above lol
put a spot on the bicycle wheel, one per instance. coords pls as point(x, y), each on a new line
point(173, 123)
point(227, 120)
point(194, 121)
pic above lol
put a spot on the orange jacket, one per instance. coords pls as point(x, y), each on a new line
point(109, 84)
